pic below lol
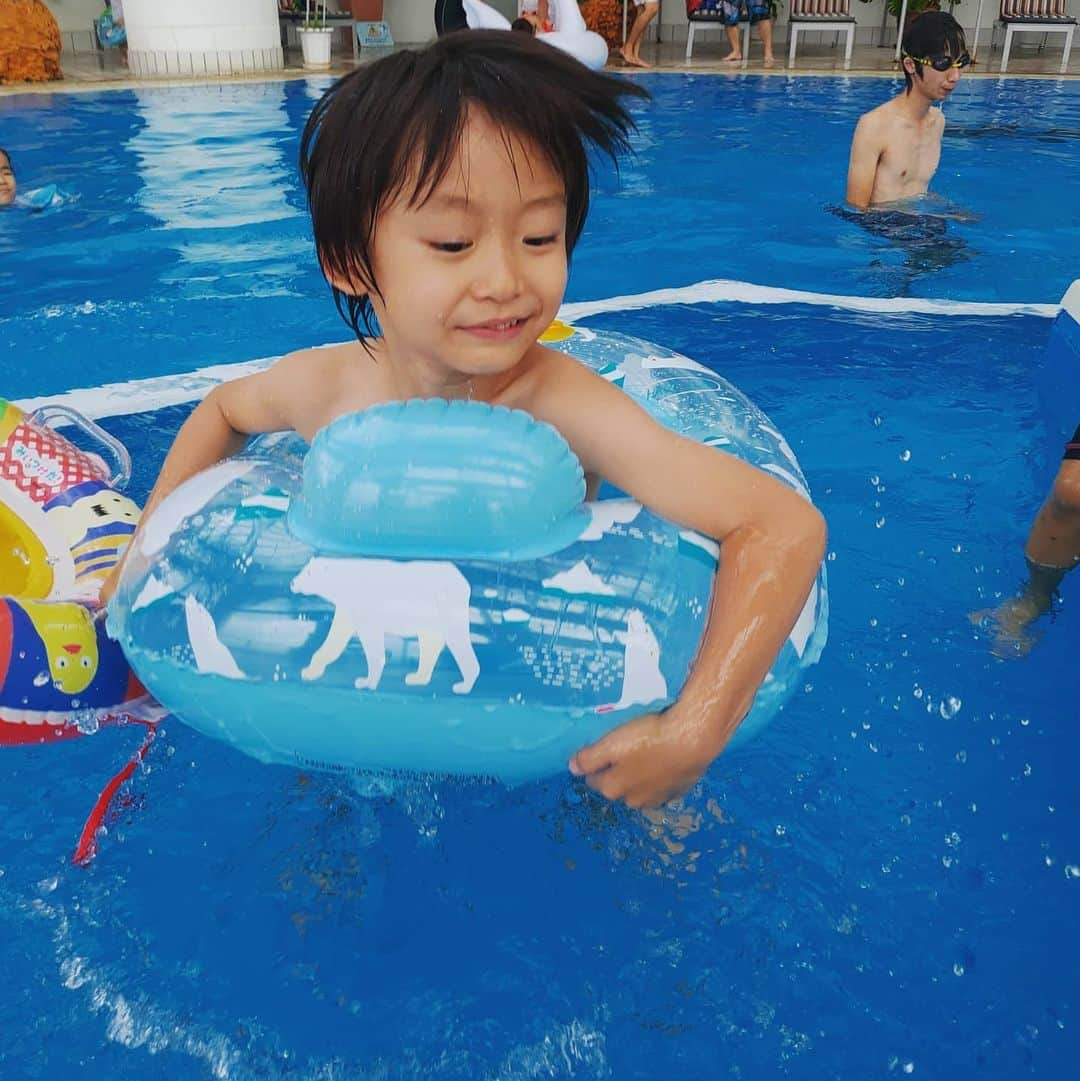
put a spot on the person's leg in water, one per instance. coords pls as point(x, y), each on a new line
point(630, 50)
point(1052, 550)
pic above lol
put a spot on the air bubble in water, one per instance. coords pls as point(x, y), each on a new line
point(86, 721)
point(905, 456)
point(950, 706)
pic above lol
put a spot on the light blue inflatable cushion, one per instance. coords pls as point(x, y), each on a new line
point(440, 479)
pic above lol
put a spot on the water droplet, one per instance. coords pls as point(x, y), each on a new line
point(905, 456)
point(950, 706)
point(86, 721)
point(880, 522)
point(41, 679)
point(958, 969)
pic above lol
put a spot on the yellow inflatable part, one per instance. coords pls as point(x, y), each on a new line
point(25, 570)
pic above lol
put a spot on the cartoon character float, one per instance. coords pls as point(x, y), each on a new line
point(570, 34)
point(63, 525)
point(424, 589)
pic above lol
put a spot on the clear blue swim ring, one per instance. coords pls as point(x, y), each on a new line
point(109, 34)
point(424, 590)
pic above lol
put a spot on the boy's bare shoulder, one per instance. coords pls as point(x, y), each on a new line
point(876, 120)
point(320, 359)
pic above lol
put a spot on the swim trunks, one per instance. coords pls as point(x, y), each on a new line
point(755, 9)
point(726, 11)
point(1072, 448)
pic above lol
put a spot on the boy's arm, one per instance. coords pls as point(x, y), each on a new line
point(217, 428)
point(772, 542)
point(862, 168)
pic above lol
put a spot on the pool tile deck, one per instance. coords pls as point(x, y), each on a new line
point(95, 70)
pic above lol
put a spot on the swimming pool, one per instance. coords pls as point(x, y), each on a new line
point(883, 883)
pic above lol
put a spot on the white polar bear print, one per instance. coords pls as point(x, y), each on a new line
point(418, 599)
point(643, 682)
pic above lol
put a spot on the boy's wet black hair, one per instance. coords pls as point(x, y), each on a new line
point(393, 128)
point(933, 33)
point(7, 156)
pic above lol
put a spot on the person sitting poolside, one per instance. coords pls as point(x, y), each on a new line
point(1052, 550)
point(8, 187)
point(759, 14)
point(897, 146)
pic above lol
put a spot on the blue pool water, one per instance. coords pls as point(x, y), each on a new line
point(883, 884)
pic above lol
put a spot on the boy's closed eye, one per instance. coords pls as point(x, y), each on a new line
point(452, 246)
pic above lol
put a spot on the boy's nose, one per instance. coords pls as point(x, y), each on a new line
point(498, 277)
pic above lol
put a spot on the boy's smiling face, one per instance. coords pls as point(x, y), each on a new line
point(471, 277)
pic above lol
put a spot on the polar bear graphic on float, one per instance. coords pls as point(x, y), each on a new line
point(372, 598)
point(643, 682)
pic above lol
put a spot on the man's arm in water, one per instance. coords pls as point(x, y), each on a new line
point(866, 148)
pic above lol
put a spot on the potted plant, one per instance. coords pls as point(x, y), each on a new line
point(315, 35)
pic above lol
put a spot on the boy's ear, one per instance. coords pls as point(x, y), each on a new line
point(351, 284)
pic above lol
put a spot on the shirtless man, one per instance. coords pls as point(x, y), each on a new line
point(897, 146)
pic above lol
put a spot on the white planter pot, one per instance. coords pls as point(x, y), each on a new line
point(315, 46)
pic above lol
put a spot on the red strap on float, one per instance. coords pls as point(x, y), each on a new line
point(86, 849)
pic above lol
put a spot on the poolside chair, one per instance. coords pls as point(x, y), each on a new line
point(810, 15)
point(707, 14)
point(1035, 17)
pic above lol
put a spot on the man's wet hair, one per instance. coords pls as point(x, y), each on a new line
point(933, 33)
point(393, 128)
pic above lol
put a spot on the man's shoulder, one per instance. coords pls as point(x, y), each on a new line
point(873, 124)
point(877, 117)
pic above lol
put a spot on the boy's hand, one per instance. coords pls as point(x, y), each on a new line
point(647, 761)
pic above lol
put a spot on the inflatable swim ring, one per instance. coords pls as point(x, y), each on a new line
point(39, 199)
point(424, 590)
point(63, 524)
point(571, 35)
point(109, 34)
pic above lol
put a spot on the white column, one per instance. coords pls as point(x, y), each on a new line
point(170, 38)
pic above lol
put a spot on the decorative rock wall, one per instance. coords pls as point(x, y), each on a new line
point(29, 42)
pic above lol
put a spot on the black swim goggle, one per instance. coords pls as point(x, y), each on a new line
point(943, 63)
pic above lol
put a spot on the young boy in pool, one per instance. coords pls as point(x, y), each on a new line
point(897, 146)
point(8, 189)
point(447, 189)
